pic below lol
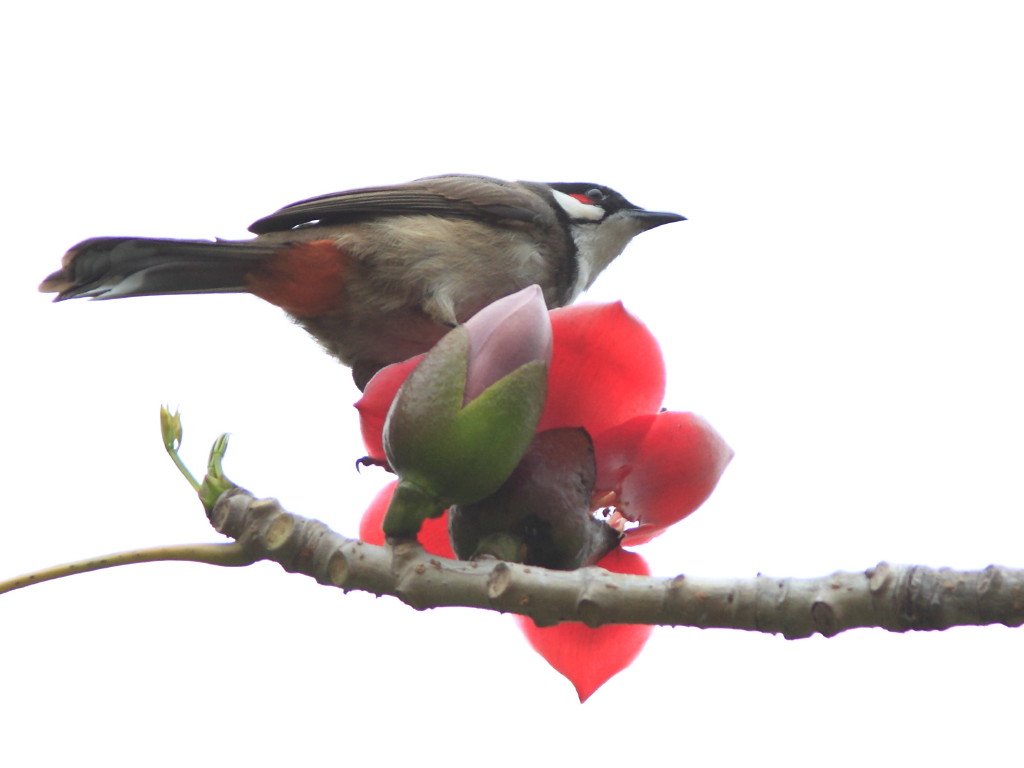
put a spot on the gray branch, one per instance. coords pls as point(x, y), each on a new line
point(893, 597)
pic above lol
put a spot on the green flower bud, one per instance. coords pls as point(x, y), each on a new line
point(464, 417)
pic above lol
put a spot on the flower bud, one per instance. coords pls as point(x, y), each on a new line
point(541, 514)
point(464, 417)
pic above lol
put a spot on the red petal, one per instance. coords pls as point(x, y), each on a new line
point(373, 406)
point(590, 657)
point(662, 467)
point(606, 368)
point(433, 535)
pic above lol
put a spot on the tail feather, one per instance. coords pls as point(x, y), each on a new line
point(118, 267)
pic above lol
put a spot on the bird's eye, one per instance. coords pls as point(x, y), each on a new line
point(595, 195)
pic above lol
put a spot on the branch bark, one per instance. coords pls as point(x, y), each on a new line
point(893, 597)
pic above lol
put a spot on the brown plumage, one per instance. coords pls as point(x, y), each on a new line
point(380, 274)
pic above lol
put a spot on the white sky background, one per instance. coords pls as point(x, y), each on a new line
point(843, 305)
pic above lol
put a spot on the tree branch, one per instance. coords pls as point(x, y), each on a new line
point(231, 555)
point(896, 598)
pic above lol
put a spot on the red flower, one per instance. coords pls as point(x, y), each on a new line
point(590, 657)
point(653, 467)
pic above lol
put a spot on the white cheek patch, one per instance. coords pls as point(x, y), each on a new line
point(598, 246)
point(578, 211)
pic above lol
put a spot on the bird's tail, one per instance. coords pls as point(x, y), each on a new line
point(118, 267)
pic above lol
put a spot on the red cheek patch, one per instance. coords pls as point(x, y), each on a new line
point(305, 279)
point(583, 199)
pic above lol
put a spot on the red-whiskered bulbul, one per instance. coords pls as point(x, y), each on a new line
point(378, 275)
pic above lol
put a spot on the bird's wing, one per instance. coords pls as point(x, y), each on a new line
point(473, 197)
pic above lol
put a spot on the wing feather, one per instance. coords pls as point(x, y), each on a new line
point(473, 197)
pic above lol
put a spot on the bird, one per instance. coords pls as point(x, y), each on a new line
point(379, 274)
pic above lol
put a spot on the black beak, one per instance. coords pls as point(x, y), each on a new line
point(652, 219)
